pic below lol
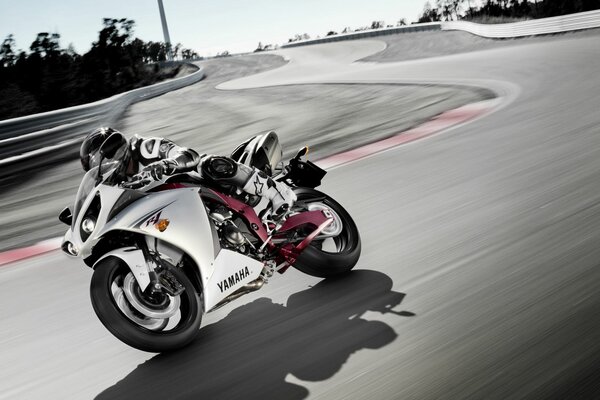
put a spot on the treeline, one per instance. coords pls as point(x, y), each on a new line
point(497, 10)
point(49, 77)
point(373, 25)
point(489, 11)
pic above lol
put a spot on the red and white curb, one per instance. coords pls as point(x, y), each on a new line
point(438, 124)
point(42, 247)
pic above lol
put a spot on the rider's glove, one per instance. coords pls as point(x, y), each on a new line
point(138, 181)
point(157, 169)
point(150, 173)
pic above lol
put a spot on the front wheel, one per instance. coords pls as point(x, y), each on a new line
point(153, 322)
point(338, 250)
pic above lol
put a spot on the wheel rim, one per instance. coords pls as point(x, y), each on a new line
point(163, 314)
point(163, 307)
point(336, 226)
point(336, 238)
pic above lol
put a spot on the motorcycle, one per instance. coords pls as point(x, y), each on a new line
point(168, 252)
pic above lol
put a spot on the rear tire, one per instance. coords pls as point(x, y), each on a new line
point(325, 264)
point(111, 271)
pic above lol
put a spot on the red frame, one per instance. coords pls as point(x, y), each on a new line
point(288, 252)
point(243, 209)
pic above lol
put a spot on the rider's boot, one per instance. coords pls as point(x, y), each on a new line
point(250, 180)
point(280, 195)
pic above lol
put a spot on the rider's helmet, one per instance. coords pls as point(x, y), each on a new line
point(89, 153)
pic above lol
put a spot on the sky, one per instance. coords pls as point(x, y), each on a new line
point(209, 27)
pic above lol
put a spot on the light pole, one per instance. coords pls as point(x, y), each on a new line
point(163, 20)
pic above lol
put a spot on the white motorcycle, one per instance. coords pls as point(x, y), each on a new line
point(167, 253)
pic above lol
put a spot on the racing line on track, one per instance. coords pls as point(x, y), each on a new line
point(438, 124)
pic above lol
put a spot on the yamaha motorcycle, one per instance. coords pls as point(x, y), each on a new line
point(167, 253)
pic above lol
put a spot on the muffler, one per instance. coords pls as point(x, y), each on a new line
point(249, 288)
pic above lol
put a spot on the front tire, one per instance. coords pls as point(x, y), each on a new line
point(315, 260)
point(122, 318)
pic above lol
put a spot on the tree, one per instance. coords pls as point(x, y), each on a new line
point(138, 50)
point(46, 44)
point(377, 24)
point(176, 51)
point(188, 54)
point(452, 9)
point(7, 54)
point(116, 32)
point(297, 38)
point(443, 7)
point(455, 6)
point(49, 77)
point(156, 51)
point(429, 14)
point(71, 50)
point(470, 10)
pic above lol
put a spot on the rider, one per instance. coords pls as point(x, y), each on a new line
point(152, 158)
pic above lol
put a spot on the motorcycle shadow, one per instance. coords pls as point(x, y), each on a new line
point(248, 354)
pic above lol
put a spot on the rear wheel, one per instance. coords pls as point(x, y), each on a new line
point(154, 322)
point(337, 250)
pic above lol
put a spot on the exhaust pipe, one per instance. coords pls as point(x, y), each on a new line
point(249, 288)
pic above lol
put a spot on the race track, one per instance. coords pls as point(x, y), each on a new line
point(479, 272)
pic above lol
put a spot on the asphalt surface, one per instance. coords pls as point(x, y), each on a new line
point(331, 118)
point(483, 240)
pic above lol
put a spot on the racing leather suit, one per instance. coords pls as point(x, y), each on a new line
point(156, 157)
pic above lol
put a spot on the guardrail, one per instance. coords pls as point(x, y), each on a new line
point(35, 140)
point(543, 26)
point(430, 26)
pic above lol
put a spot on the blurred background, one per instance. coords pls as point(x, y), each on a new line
point(483, 240)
